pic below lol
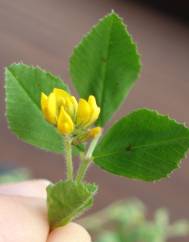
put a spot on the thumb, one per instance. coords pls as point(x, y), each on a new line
point(71, 232)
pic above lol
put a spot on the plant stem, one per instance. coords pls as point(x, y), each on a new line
point(68, 158)
point(86, 160)
point(85, 163)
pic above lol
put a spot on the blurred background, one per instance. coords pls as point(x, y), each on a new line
point(43, 32)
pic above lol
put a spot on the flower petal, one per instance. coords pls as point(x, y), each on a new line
point(95, 110)
point(83, 112)
point(52, 108)
point(94, 132)
point(43, 102)
point(75, 105)
point(60, 93)
point(65, 124)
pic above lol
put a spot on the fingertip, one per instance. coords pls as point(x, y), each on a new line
point(23, 219)
point(71, 232)
point(33, 188)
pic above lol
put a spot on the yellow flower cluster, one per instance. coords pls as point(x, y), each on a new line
point(62, 110)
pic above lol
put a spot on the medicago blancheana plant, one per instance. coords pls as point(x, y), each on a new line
point(41, 111)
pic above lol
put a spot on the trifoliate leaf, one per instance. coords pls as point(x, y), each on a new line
point(67, 200)
point(105, 64)
point(24, 85)
point(143, 145)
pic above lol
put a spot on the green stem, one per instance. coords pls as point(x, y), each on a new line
point(86, 160)
point(85, 163)
point(68, 157)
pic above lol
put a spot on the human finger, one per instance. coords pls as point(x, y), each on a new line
point(33, 188)
point(23, 219)
point(71, 232)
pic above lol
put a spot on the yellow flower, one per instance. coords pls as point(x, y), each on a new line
point(65, 124)
point(62, 110)
point(94, 132)
point(49, 107)
point(83, 112)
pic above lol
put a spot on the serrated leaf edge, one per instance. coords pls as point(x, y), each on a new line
point(76, 214)
point(6, 100)
point(134, 44)
point(179, 162)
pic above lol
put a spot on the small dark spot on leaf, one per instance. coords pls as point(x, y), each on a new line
point(129, 147)
point(104, 60)
point(37, 84)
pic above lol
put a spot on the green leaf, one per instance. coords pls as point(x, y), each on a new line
point(144, 145)
point(105, 64)
point(24, 85)
point(67, 200)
